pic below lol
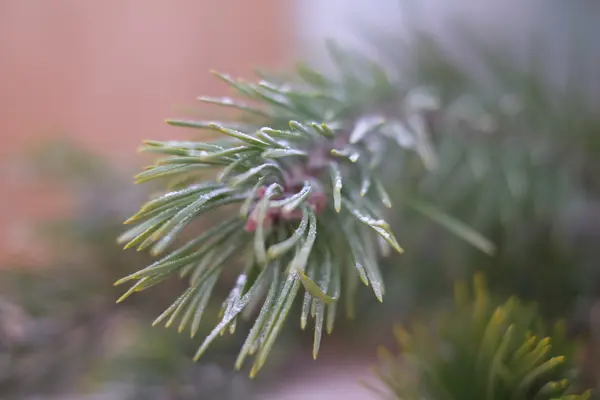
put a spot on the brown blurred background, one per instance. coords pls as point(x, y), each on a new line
point(107, 73)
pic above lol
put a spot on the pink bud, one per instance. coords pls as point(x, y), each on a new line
point(261, 192)
point(318, 201)
point(251, 225)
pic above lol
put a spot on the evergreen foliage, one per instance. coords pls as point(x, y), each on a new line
point(478, 350)
point(293, 205)
point(517, 161)
point(303, 168)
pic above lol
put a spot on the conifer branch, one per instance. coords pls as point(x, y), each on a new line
point(478, 350)
point(304, 173)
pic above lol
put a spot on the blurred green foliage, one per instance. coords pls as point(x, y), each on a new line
point(62, 333)
point(481, 349)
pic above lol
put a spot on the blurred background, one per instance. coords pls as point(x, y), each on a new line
point(83, 83)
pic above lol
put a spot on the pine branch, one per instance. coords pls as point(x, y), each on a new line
point(479, 351)
point(310, 200)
